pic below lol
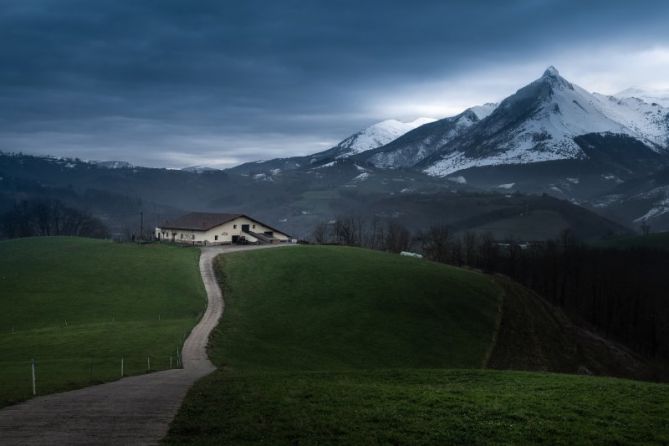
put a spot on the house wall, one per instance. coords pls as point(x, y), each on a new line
point(218, 235)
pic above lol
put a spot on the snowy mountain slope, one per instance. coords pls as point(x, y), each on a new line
point(660, 97)
point(378, 135)
point(539, 123)
point(113, 164)
point(483, 111)
point(421, 142)
point(199, 169)
point(367, 139)
point(647, 122)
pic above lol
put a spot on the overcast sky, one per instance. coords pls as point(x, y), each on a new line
point(184, 82)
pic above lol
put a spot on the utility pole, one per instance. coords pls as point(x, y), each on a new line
point(141, 225)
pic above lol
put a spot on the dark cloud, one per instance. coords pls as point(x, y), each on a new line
point(237, 80)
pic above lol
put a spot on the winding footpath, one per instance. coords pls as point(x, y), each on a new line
point(132, 411)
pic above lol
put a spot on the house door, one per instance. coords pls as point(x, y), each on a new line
point(245, 228)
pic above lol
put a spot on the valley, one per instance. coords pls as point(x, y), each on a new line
point(603, 155)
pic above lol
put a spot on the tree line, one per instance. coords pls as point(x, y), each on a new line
point(622, 293)
point(44, 217)
point(372, 233)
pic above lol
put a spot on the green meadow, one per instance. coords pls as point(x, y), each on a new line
point(77, 306)
point(344, 346)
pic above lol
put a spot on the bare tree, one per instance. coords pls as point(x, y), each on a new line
point(320, 233)
point(397, 237)
point(436, 243)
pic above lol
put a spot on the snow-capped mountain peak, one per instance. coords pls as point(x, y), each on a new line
point(540, 121)
point(551, 71)
point(378, 135)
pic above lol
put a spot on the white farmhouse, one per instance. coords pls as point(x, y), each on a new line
point(204, 228)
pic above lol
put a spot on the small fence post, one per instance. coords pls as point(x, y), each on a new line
point(170, 362)
point(122, 367)
point(148, 363)
point(34, 378)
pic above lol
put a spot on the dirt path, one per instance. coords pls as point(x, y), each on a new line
point(131, 411)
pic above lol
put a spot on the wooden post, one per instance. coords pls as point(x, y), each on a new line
point(34, 378)
point(148, 363)
point(170, 362)
point(122, 367)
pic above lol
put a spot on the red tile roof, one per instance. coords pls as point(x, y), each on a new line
point(204, 221)
point(199, 221)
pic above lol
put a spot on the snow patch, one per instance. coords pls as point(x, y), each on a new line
point(326, 165)
point(658, 209)
point(262, 177)
point(460, 179)
point(362, 177)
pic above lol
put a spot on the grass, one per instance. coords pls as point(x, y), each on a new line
point(328, 345)
point(421, 407)
point(78, 305)
point(315, 308)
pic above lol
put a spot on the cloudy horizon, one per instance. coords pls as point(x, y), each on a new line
point(174, 84)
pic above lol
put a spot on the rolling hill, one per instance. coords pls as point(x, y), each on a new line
point(333, 345)
point(77, 306)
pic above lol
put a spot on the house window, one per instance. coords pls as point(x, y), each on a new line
point(254, 226)
point(215, 237)
point(234, 226)
point(192, 236)
point(181, 236)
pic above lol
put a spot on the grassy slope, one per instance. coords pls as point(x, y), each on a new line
point(535, 335)
point(315, 308)
point(111, 296)
point(301, 368)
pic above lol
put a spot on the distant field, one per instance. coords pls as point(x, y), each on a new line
point(77, 306)
point(331, 345)
point(658, 240)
